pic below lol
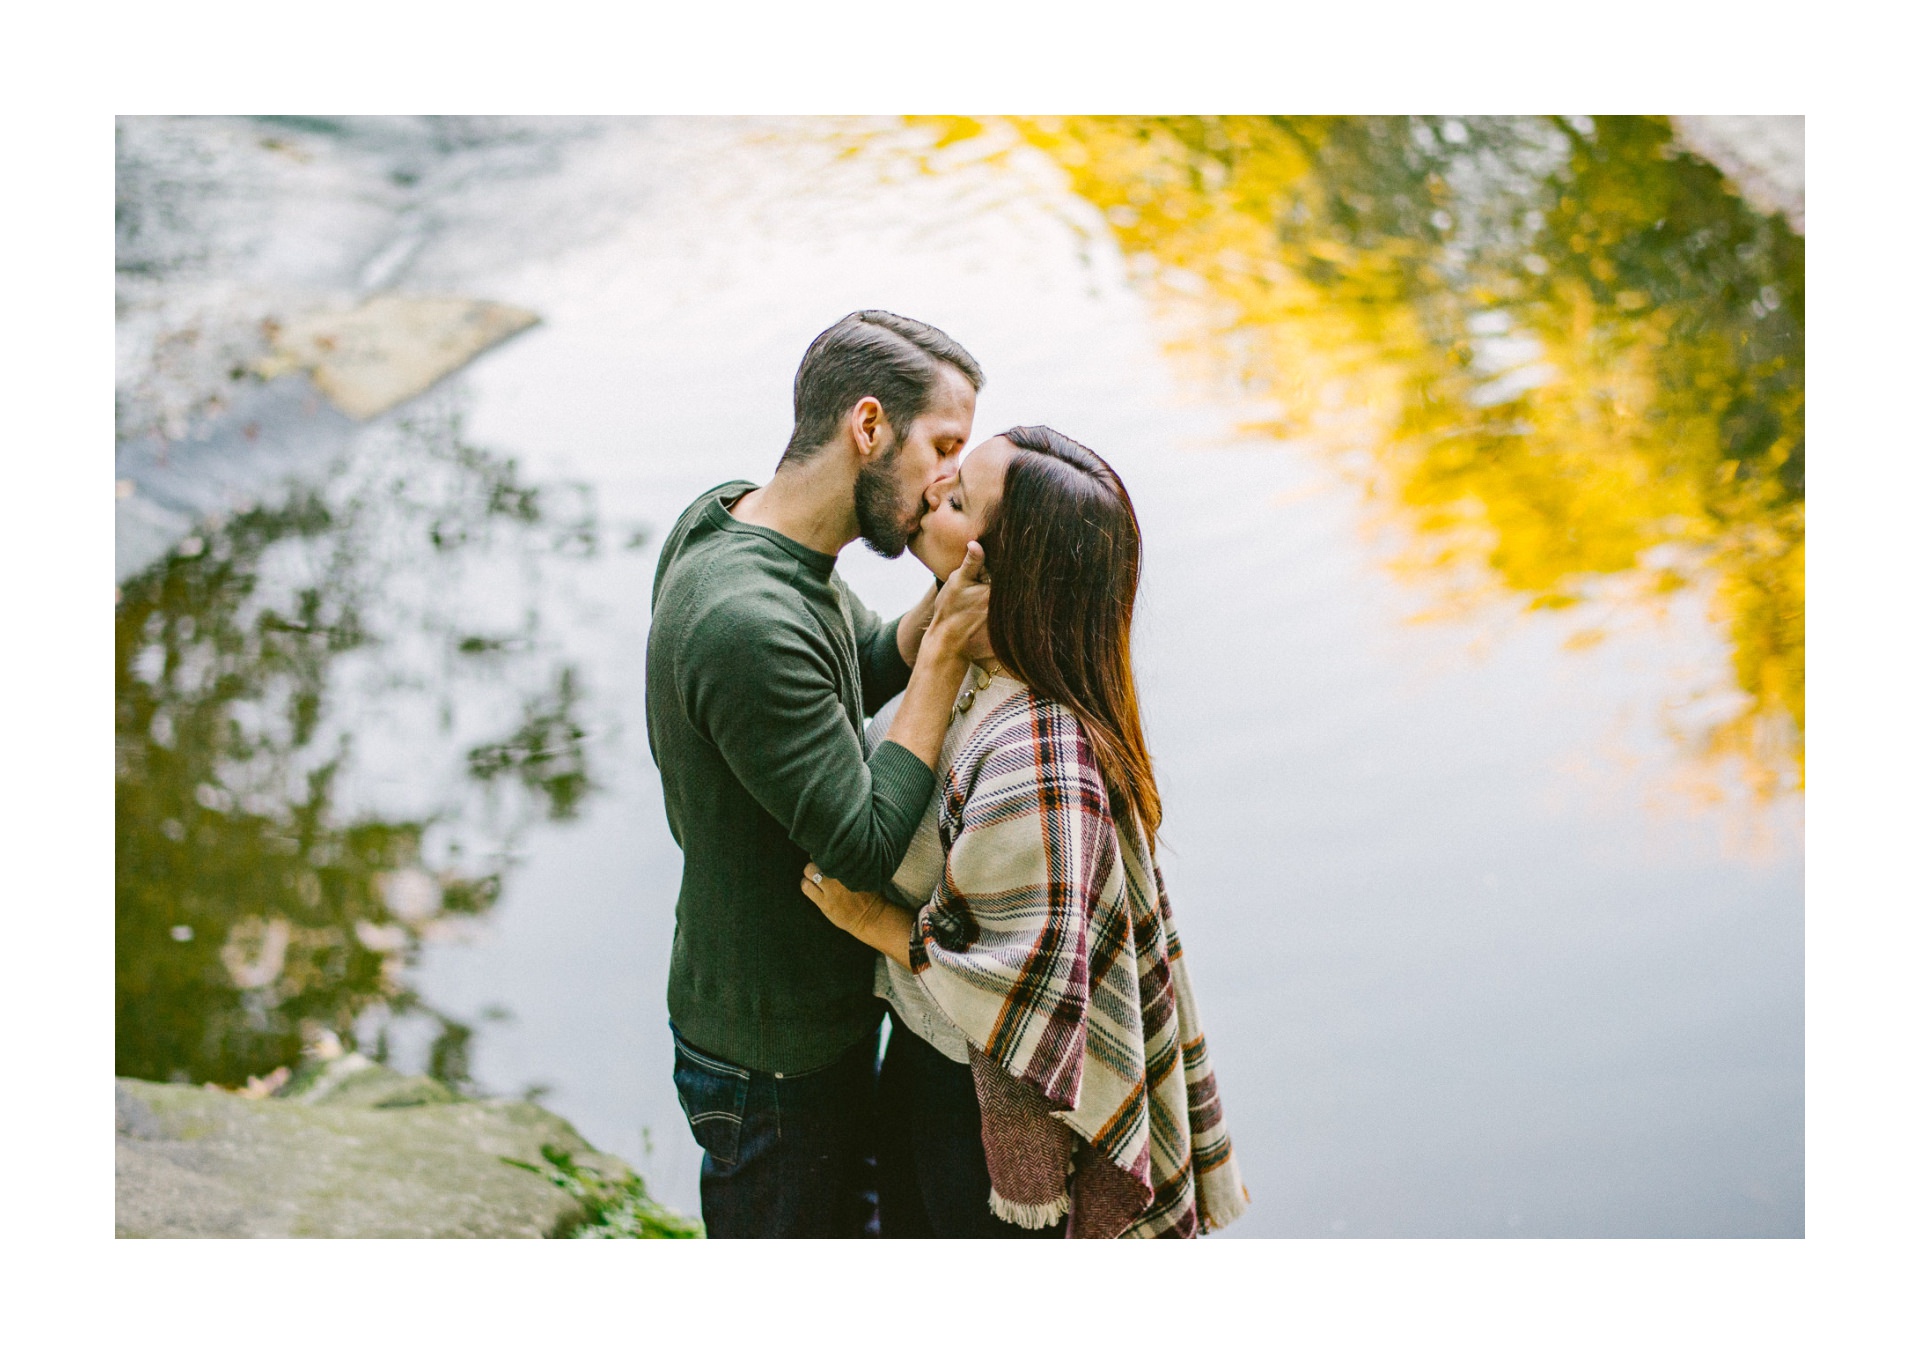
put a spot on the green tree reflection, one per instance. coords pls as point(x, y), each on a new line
point(1565, 348)
point(252, 910)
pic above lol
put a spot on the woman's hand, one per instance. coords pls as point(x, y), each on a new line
point(867, 917)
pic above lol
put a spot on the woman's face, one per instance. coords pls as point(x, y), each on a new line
point(960, 506)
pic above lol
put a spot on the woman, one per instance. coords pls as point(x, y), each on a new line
point(1046, 1073)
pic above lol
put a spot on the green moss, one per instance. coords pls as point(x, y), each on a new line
point(615, 1207)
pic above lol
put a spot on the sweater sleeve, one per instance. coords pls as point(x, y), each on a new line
point(760, 685)
point(883, 672)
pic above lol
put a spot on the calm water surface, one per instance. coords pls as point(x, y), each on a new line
point(1468, 457)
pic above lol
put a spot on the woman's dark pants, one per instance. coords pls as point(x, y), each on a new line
point(785, 1154)
point(933, 1170)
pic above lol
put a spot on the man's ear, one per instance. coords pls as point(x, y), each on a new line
point(865, 421)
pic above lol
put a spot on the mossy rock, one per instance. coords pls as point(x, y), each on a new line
point(354, 1081)
point(374, 1154)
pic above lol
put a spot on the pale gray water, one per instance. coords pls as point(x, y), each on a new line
point(1467, 967)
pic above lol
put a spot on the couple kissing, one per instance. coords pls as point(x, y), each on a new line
point(945, 822)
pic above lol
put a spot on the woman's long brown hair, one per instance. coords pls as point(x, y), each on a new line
point(1063, 550)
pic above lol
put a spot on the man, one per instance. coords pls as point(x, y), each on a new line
point(761, 668)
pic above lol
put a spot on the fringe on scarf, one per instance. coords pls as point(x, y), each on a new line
point(1030, 1216)
point(1221, 1201)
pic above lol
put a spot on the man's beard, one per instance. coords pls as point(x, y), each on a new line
point(886, 517)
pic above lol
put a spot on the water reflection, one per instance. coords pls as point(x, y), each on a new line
point(334, 716)
point(1564, 349)
point(1457, 1000)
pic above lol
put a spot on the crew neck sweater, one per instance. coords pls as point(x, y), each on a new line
point(761, 668)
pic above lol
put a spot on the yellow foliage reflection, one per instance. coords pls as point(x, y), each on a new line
point(1572, 357)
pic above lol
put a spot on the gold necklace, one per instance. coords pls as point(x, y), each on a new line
point(988, 671)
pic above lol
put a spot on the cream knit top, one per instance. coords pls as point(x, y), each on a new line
point(913, 883)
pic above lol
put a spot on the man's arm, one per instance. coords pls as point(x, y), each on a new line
point(911, 628)
point(884, 668)
point(761, 686)
point(888, 650)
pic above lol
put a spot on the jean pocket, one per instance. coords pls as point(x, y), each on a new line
point(713, 1096)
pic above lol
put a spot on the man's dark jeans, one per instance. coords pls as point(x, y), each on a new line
point(786, 1154)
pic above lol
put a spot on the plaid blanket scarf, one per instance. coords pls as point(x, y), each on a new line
point(1049, 942)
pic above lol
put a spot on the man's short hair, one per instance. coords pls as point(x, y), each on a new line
point(870, 352)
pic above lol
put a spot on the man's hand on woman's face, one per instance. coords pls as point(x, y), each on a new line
point(959, 623)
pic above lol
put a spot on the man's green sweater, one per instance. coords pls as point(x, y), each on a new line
point(761, 667)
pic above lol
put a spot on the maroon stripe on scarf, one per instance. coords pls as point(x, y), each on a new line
point(1106, 1199)
point(1203, 1106)
point(1029, 1152)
